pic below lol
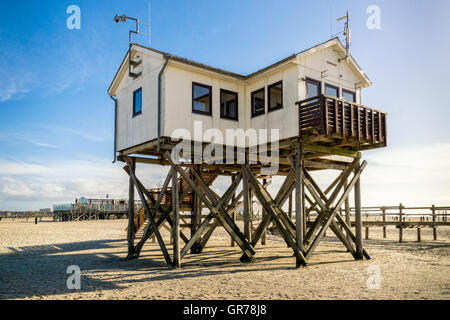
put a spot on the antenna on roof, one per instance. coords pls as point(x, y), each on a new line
point(347, 34)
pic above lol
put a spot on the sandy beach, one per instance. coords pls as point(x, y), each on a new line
point(34, 260)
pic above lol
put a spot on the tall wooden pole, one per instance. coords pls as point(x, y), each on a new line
point(233, 214)
point(131, 231)
point(384, 221)
point(196, 219)
point(433, 212)
point(400, 226)
point(263, 214)
point(347, 211)
point(246, 213)
point(299, 216)
point(176, 221)
point(358, 218)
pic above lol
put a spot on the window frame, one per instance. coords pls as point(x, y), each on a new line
point(350, 92)
point(318, 82)
point(334, 87)
point(269, 109)
point(254, 113)
point(135, 114)
point(222, 113)
point(207, 113)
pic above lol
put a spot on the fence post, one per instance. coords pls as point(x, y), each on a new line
point(433, 211)
point(384, 221)
point(400, 230)
point(418, 234)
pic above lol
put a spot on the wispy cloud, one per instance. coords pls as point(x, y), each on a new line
point(13, 88)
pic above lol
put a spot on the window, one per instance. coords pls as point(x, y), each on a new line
point(331, 90)
point(137, 102)
point(228, 104)
point(348, 95)
point(258, 102)
point(312, 88)
point(201, 98)
point(275, 96)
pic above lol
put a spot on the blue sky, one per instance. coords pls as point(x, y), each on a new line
point(56, 123)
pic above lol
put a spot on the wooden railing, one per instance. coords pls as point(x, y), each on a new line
point(343, 119)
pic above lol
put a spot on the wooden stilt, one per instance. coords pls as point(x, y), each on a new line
point(246, 212)
point(298, 198)
point(383, 209)
point(358, 217)
point(131, 229)
point(233, 214)
point(367, 232)
point(433, 212)
point(176, 221)
point(418, 234)
point(263, 214)
point(400, 223)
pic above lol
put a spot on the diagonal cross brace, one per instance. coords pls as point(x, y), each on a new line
point(271, 208)
point(210, 216)
point(152, 221)
point(210, 201)
point(335, 210)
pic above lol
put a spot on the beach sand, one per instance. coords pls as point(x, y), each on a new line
point(34, 261)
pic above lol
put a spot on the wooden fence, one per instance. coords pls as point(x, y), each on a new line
point(403, 217)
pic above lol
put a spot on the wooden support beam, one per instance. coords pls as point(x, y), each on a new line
point(233, 214)
point(400, 223)
point(131, 230)
point(246, 212)
point(263, 214)
point(358, 217)
point(383, 209)
point(176, 221)
point(433, 212)
point(298, 198)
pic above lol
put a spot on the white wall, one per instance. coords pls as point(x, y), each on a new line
point(131, 130)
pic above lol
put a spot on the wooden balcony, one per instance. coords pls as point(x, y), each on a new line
point(340, 123)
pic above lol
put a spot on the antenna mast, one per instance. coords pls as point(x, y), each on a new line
point(347, 34)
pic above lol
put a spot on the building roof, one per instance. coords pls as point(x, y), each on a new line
point(169, 56)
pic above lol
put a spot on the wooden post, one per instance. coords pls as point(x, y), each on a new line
point(233, 214)
point(433, 211)
point(384, 221)
point(299, 216)
point(246, 212)
point(418, 234)
point(400, 218)
point(358, 218)
point(290, 206)
point(176, 221)
point(196, 219)
point(367, 232)
point(130, 230)
point(263, 236)
point(347, 211)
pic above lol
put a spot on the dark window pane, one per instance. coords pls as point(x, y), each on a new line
point(137, 102)
point(331, 91)
point(349, 96)
point(258, 102)
point(201, 98)
point(276, 96)
point(312, 89)
point(228, 104)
